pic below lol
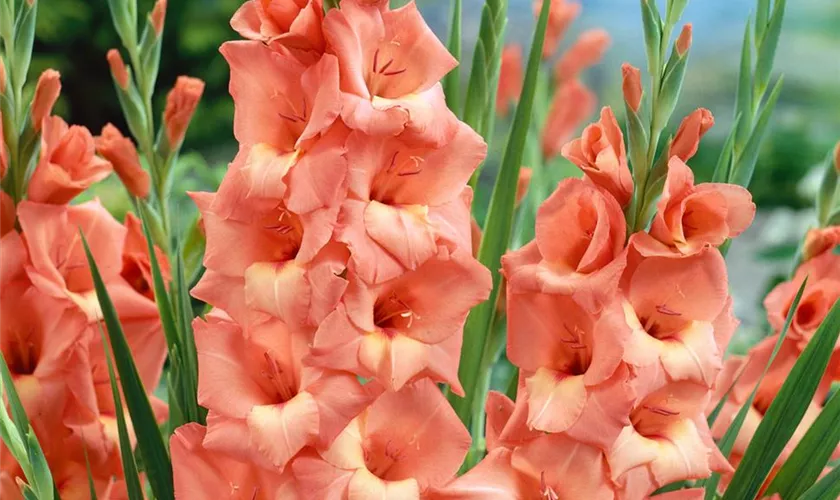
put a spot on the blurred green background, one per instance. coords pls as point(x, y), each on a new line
point(73, 36)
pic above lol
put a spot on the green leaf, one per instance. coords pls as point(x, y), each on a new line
point(811, 455)
point(188, 355)
point(728, 440)
point(762, 15)
point(827, 191)
point(149, 440)
point(167, 318)
point(767, 48)
point(712, 418)
point(150, 46)
point(827, 487)
point(91, 485)
point(452, 80)
point(24, 39)
point(675, 10)
point(477, 89)
point(723, 168)
point(132, 481)
point(19, 417)
point(786, 410)
point(744, 97)
point(193, 250)
point(124, 23)
point(497, 228)
point(745, 162)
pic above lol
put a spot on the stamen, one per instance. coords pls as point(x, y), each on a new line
point(660, 411)
point(395, 72)
point(663, 309)
point(546, 491)
point(387, 65)
point(376, 61)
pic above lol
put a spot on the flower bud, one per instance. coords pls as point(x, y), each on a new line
point(631, 86)
point(4, 155)
point(819, 241)
point(684, 40)
point(688, 136)
point(46, 93)
point(837, 158)
point(522, 184)
point(180, 106)
point(158, 16)
point(118, 69)
point(122, 154)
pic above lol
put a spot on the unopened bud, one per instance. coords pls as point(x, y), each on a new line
point(2, 77)
point(684, 40)
point(158, 15)
point(631, 86)
point(180, 106)
point(837, 157)
point(118, 69)
point(46, 93)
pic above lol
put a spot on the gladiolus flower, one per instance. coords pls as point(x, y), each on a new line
point(120, 151)
point(631, 86)
point(200, 472)
point(560, 16)
point(292, 24)
point(137, 267)
point(47, 91)
point(58, 266)
point(574, 376)
point(67, 165)
point(822, 290)
point(406, 328)
point(588, 50)
point(680, 316)
point(405, 200)
point(819, 241)
point(290, 109)
point(578, 249)
point(571, 105)
point(667, 440)
point(118, 70)
point(263, 405)
point(692, 129)
point(180, 106)
point(390, 64)
point(402, 445)
point(689, 218)
point(600, 153)
point(510, 79)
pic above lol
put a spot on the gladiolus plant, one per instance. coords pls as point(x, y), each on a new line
point(356, 299)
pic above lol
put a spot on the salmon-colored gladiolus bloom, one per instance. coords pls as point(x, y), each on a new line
point(588, 50)
point(292, 24)
point(7, 214)
point(57, 264)
point(289, 110)
point(692, 129)
point(666, 440)
point(200, 472)
point(631, 86)
point(744, 373)
point(407, 328)
point(578, 249)
point(391, 65)
point(560, 16)
point(680, 316)
point(600, 153)
point(510, 79)
point(819, 241)
point(180, 107)
point(47, 91)
point(68, 164)
point(137, 267)
point(263, 255)
point(403, 444)
point(158, 16)
point(690, 218)
point(571, 105)
point(403, 200)
point(538, 465)
point(264, 406)
point(120, 151)
point(822, 290)
point(118, 69)
point(575, 380)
